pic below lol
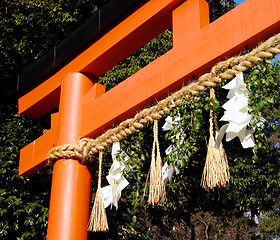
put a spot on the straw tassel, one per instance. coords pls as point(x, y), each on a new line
point(98, 219)
point(216, 169)
point(157, 193)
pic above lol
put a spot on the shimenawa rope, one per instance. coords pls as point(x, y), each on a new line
point(223, 70)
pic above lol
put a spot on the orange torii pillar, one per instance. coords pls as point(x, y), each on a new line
point(71, 181)
point(85, 110)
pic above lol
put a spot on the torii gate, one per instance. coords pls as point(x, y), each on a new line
point(85, 110)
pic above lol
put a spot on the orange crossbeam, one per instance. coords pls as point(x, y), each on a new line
point(85, 110)
point(33, 157)
point(120, 42)
point(193, 54)
point(228, 35)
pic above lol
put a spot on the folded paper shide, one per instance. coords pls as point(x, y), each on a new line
point(236, 113)
point(169, 123)
point(168, 171)
point(117, 182)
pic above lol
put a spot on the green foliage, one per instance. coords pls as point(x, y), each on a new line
point(142, 57)
point(263, 81)
point(220, 7)
point(192, 212)
point(24, 201)
point(191, 134)
point(29, 29)
point(270, 222)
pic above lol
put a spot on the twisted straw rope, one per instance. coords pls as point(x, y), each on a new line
point(216, 169)
point(223, 70)
point(100, 170)
point(211, 124)
point(157, 192)
point(212, 115)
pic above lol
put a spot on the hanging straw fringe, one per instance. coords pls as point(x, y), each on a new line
point(157, 193)
point(216, 170)
point(98, 218)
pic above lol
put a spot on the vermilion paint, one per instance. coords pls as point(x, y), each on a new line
point(71, 180)
point(197, 46)
point(84, 109)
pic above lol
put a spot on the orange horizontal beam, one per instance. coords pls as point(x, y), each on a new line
point(246, 25)
point(33, 157)
point(125, 38)
point(192, 55)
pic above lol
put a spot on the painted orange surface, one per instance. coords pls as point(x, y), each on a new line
point(196, 54)
point(193, 55)
point(124, 39)
point(33, 157)
point(71, 180)
point(85, 110)
point(188, 18)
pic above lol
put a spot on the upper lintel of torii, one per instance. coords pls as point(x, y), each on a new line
point(197, 45)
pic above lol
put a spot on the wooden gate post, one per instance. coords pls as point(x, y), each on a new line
point(70, 193)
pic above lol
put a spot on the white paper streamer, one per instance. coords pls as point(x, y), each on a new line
point(169, 122)
point(172, 147)
point(112, 193)
point(116, 149)
point(236, 114)
point(168, 171)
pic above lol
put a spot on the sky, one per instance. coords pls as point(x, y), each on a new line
point(239, 1)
